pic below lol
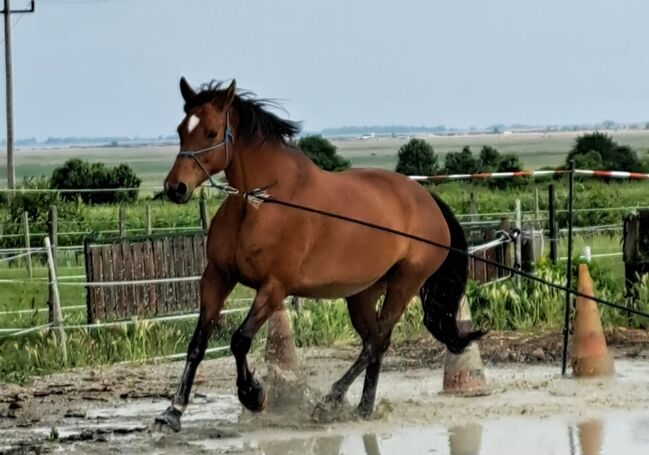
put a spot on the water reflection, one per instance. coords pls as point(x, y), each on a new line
point(591, 437)
point(507, 436)
point(316, 446)
point(465, 439)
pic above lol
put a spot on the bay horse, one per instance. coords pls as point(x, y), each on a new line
point(280, 251)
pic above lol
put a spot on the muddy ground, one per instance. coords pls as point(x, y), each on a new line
point(111, 409)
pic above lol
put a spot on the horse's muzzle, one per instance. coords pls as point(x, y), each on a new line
point(178, 192)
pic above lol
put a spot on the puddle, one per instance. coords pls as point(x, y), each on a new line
point(624, 432)
point(532, 411)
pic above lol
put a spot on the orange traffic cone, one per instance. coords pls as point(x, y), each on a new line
point(286, 387)
point(464, 373)
point(280, 346)
point(589, 354)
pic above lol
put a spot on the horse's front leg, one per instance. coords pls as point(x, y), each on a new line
point(215, 287)
point(269, 299)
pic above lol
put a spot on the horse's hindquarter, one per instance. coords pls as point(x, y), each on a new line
point(332, 257)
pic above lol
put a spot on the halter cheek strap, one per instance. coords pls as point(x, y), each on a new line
point(227, 137)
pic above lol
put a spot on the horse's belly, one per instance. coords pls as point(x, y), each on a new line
point(330, 290)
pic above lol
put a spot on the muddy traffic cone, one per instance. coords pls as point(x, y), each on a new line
point(589, 354)
point(286, 387)
point(464, 373)
point(591, 437)
point(280, 346)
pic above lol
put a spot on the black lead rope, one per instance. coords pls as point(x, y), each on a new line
point(260, 195)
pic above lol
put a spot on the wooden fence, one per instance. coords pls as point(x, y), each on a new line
point(114, 265)
point(480, 271)
point(152, 258)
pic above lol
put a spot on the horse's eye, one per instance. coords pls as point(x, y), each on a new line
point(211, 134)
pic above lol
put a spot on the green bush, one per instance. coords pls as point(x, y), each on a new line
point(461, 162)
point(76, 173)
point(598, 151)
point(323, 153)
point(34, 203)
point(417, 158)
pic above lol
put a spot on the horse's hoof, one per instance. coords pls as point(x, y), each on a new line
point(253, 396)
point(365, 412)
point(324, 411)
point(170, 419)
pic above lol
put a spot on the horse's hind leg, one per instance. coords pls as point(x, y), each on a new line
point(362, 311)
point(269, 299)
point(401, 288)
point(215, 287)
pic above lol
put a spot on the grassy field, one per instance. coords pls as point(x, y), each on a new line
point(152, 163)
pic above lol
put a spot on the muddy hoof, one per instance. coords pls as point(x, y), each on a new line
point(253, 396)
point(170, 419)
point(364, 412)
point(325, 410)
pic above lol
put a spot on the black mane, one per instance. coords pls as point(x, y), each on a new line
point(254, 119)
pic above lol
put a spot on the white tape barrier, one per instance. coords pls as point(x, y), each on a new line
point(40, 310)
point(19, 331)
point(503, 237)
point(177, 317)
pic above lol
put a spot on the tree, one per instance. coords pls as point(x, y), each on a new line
point(489, 159)
point(417, 157)
point(460, 162)
point(612, 156)
point(323, 153)
point(509, 162)
point(76, 173)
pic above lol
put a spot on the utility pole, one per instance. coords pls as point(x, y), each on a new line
point(11, 169)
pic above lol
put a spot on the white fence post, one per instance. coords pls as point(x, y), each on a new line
point(28, 259)
point(519, 226)
point(57, 316)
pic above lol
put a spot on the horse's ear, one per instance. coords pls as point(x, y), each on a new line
point(186, 90)
point(230, 93)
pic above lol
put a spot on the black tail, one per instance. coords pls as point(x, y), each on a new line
point(442, 291)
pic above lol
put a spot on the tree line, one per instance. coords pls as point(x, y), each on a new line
point(596, 151)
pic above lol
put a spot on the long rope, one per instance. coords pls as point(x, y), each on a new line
point(260, 195)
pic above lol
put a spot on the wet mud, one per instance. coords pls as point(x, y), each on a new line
point(532, 409)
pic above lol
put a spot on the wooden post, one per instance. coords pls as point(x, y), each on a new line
point(519, 226)
point(56, 316)
point(53, 237)
point(28, 249)
point(473, 205)
point(552, 224)
point(536, 208)
point(203, 211)
point(149, 224)
point(122, 221)
point(506, 251)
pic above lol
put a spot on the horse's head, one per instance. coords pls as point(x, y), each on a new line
point(206, 141)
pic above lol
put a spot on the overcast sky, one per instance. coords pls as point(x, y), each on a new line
point(111, 67)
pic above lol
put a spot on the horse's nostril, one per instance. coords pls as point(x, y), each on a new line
point(181, 189)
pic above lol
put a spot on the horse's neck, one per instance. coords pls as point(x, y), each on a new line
point(263, 165)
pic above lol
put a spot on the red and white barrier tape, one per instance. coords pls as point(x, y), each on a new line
point(490, 175)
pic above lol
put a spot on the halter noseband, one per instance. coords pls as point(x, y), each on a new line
point(227, 136)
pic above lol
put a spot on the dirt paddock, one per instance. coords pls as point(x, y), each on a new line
point(110, 410)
